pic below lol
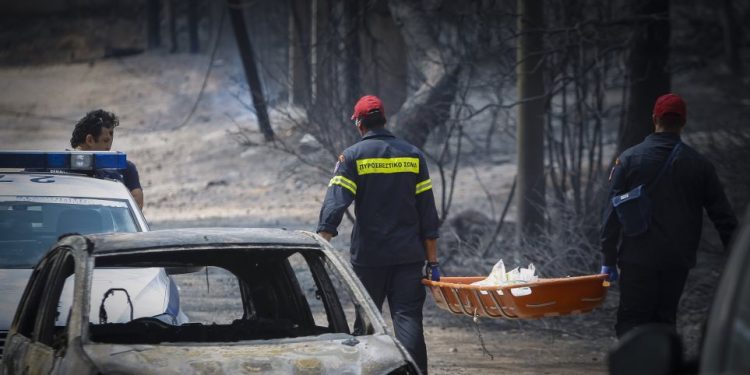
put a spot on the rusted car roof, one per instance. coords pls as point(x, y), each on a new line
point(199, 238)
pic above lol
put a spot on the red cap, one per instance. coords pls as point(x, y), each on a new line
point(670, 103)
point(367, 104)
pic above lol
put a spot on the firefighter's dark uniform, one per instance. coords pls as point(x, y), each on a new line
point(655, 264)
point(387, 178)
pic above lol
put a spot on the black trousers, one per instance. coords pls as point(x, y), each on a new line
point(402, 285)
point(648, 295)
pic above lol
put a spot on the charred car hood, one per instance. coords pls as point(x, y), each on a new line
point(324, 354)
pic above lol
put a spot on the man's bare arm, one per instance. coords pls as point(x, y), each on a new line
point(138, 197)
point(430, 250)
point(326, 235)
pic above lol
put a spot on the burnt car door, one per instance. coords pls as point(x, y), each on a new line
point(22, 329)
point(49, 341)
point(24, 353)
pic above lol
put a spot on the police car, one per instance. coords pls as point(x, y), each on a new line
point(44, 195)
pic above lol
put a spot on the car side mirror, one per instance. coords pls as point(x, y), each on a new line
point(182, 270)
point(648, 349)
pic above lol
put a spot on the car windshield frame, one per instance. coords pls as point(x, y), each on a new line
point(326, 265)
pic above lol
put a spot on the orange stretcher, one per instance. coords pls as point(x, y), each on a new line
point(543, 298)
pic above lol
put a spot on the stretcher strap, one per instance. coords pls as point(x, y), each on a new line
point(479, 334)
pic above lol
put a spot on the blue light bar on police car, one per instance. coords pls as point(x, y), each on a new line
point(63, 160)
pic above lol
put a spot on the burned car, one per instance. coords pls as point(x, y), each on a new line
point(258, 301)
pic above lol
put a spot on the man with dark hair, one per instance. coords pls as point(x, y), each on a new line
point(95, 132)
point(679, 183)
point(397, 225)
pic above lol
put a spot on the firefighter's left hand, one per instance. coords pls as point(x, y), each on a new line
point(611, 272)
point(432, 271)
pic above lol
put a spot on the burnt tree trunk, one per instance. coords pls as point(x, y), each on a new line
point(428, 107)
point(154, 23)
point(321, 54)
point(193, 25)
point(732, 37)
point(249, 64)
point(172, 4)
point(383, 61)
point(299, 52)
point(648, 74)
point(530, 124)
point(351, 22)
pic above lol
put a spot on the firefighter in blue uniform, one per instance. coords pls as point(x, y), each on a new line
point(396, 226)
point(654, 265)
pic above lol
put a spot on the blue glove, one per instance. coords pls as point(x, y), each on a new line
point(432, 271)
point(611, 271)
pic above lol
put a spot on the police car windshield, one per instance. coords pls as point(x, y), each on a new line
point(30, 225)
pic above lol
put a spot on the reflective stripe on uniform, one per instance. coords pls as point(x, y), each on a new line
point(345, 183)
point(424, 186)
point(387, 165)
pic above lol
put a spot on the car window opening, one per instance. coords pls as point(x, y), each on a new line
point(225, 295)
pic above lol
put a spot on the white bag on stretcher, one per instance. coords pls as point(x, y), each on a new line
point(498, 276)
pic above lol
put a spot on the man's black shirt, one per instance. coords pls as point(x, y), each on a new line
point(677, 204)
point(128, 176)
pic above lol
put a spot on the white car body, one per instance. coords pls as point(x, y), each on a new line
point(74, 190)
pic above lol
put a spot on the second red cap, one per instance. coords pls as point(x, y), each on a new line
point(367, 104)
point(670, 103)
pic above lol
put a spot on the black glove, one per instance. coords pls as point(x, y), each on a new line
point(432, 271)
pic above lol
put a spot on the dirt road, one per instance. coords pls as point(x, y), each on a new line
point(454, 348)
point(455, 351)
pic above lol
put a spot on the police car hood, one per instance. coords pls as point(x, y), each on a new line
point(148, 289)
point(324, 354)
point(12, 284)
